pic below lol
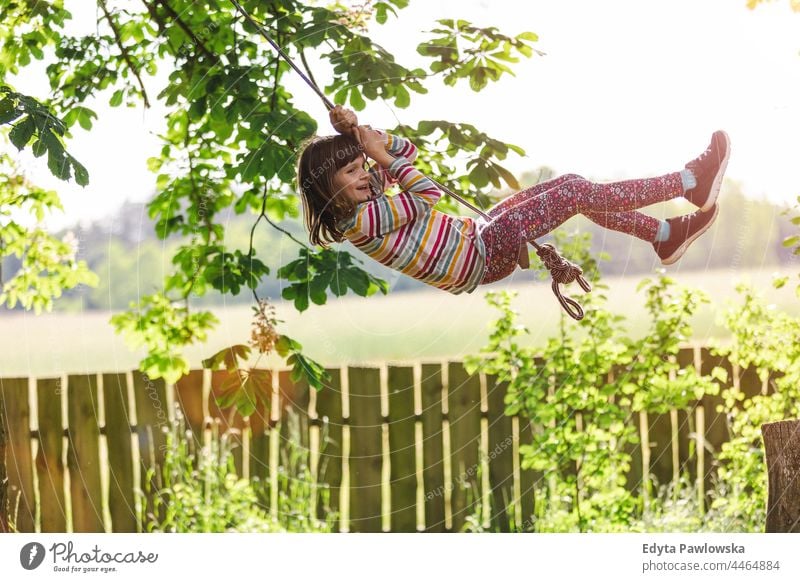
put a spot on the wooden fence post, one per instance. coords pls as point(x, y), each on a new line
point(782, 445)
point(3, 476)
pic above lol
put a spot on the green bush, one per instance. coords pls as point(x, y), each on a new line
point(582, 433)
point(198, 489)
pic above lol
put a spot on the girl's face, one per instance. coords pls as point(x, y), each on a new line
point(352, 181)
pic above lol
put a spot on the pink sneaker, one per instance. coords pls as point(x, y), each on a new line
point(708, 169)
point(682, 231)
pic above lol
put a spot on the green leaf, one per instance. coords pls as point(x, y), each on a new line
point(380, 13)
point(39, 148)
point(81, 175)
point(402, 98)
point(85, 116)
point(301, 298)
point(791, 241)
point(356, 100)
point(116, 98)
point(8, 111)
point(227, 357)
point(58, 164)
point(508, 177)
point(22, 132)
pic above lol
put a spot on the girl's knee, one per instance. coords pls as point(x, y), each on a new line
point(573, 178)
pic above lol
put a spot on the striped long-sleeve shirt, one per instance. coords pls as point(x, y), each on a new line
point(406, 233)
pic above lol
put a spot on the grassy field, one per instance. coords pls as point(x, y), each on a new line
point(427, 325)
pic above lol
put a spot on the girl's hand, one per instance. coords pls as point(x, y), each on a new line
point(372, 142)
point(343, 120)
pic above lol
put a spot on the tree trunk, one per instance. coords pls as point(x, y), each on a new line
point(782, 444)
point(3, 476)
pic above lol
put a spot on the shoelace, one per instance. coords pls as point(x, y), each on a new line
point(697, 162)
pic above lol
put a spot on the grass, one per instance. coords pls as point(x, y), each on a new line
point(425, 325)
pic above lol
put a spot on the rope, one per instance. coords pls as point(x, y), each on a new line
point(564, 272)
point(561, 270)
point(277, 47)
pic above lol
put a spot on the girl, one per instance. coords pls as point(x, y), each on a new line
point(344, 198)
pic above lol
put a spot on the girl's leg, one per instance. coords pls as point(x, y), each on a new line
point(632, 222)
point(528, 193)
point(533, 214)
point(538, 214)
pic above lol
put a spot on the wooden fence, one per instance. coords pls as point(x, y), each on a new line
point(400, 441)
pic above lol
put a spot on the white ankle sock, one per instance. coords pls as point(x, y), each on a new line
point(663, 231)
point(687, 179)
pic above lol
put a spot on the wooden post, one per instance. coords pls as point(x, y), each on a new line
point(3, 477)
point(782, 445)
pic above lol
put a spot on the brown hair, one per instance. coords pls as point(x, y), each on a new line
point(323, 206)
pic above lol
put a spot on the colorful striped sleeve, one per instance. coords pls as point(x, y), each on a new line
point(412, 180)
point(398, 147)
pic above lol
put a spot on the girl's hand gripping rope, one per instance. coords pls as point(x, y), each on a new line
point(344, 120)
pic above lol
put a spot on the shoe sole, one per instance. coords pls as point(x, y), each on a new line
point(673, 258)
point(717, 183)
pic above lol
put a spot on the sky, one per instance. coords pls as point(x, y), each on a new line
point(626, 89)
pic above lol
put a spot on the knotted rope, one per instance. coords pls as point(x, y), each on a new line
point(564, 272)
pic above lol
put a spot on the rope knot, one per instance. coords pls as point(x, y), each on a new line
point(564, 272)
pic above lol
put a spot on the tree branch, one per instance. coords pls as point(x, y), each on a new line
point(125, 54)
point(185, 27)
point(160, 24)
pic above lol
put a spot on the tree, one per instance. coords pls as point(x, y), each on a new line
point(231, 122)
point(47, 265)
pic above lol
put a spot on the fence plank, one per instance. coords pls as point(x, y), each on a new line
point(121, 503)
point(49, 458)
point(661, 450)
point(294, 399)
point(150, 397)
point(716, 422)
point(329, 412)
point(749, 382)
point(700, 423)
point(687, 441)
point(189, 396)
point(259, 433)
point(684, 428)
point(403, 479)
point(231, 423)
point(432, 447)
point(501, 455)
point(464, 415)
point(83, 453)
point(527, 477)
point(19, 459)
point(366, 435)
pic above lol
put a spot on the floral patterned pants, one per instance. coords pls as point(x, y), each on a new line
point(532, 213)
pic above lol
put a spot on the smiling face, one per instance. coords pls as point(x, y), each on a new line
point(352, 181)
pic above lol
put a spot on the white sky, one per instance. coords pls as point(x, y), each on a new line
point(628, 88)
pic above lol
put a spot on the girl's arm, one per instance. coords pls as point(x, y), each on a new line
point(397, 166)
point(399, 146)
point(396, 146)
point(345, 121)
point(385, 214)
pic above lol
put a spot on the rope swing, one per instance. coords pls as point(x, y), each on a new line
point(561, 270)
